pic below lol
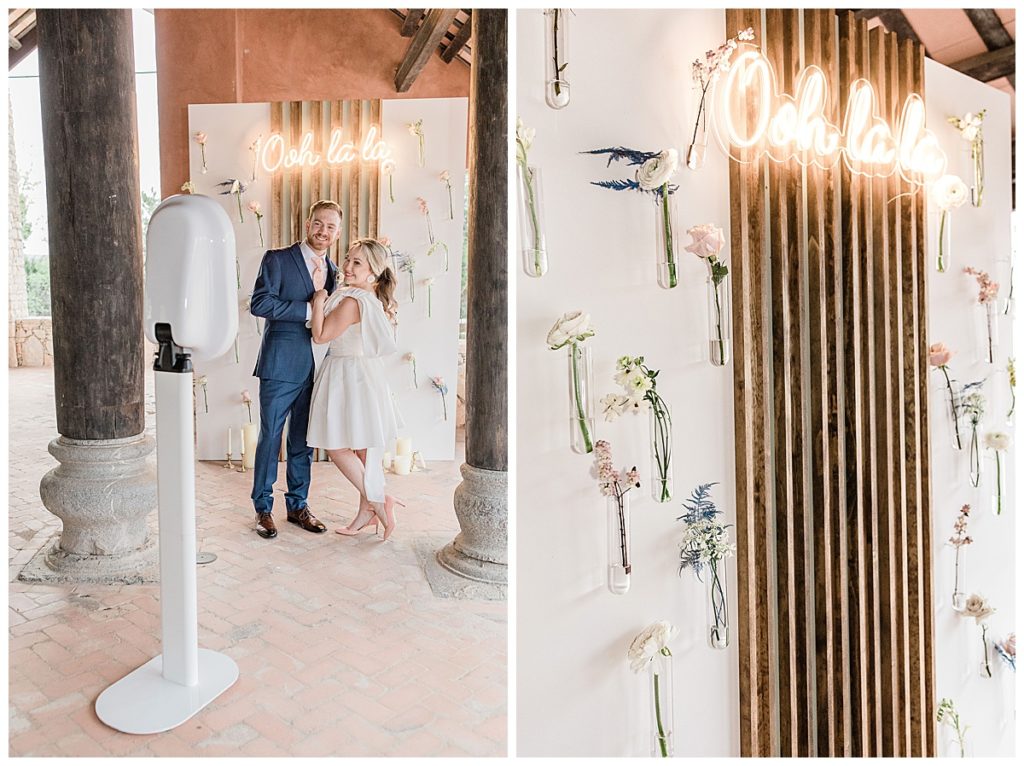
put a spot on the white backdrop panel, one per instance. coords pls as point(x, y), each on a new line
point(576, 695)
point(231, 128)
point(981, 238)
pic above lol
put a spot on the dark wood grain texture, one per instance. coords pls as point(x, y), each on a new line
point(423, 45)
point(487, 281)
point(91, 162)
point(832, 519)
point(276, 181)
point(748, 265)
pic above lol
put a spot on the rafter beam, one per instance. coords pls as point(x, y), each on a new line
point(28, 44)
point(991, 30)
point(461, 38)
point(412, 20)
point(423, 45)
point(988, 66)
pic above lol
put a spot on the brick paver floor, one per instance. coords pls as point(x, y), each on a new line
point(341, 646)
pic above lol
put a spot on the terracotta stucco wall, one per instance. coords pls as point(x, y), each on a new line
point(235, 56)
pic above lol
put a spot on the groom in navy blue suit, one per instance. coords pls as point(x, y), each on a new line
point(283, 293)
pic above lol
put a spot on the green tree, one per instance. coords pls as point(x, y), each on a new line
point(150, 199)
point(37, 283)
point(25, 186)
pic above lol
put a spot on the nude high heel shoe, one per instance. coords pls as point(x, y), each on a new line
point(390, 517)
point(352, 529)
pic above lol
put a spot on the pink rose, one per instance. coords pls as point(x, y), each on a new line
point(708, 240)
point(939, 355)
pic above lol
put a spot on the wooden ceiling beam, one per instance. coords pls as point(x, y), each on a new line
point(28, 44)
point(411, 21)
point(464, 33)
point(990, 65)
point(423, 45)
point(992, 32)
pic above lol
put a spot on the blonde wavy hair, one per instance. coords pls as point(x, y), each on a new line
point(385, 282)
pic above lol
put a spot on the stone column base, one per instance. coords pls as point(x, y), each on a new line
point(103, 491)
point(480, 551)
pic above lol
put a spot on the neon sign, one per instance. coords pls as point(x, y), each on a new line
point(750, 114)
point(274, 155)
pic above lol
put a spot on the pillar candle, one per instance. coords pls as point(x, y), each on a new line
point(403, 446)
point(386, 460)
point(402, 464)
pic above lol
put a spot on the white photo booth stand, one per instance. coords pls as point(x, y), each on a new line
point(189, 313)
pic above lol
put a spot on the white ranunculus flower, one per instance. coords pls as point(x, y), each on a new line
point(998, 440)
point(649, 642)
point(572, 326)
point(655, 173)
point(949, 192)
point(969, 133)
point(638, 383)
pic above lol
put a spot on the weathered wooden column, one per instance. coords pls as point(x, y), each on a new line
point(103, 488)
point(480, 550)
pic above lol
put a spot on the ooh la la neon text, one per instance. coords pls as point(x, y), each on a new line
point(273, 155)
point(787, 126)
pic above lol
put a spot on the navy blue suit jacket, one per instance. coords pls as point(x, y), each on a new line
point(283, 289)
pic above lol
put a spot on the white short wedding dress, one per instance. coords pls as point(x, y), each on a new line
point(352, 406)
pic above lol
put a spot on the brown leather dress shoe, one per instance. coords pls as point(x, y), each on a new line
point(306, 520)
point(265, 526)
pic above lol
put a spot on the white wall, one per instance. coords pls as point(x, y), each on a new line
point(231, 128)
point(434, 340)
point(576, 695)
point(981, 238)
point(575, 692)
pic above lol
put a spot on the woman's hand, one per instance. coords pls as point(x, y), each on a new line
point(319, 297)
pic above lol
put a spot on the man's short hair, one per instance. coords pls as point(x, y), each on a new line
point(325, 204)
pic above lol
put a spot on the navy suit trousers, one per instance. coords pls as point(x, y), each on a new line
point(280, 400)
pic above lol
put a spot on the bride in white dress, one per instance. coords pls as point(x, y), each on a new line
point(352, 415)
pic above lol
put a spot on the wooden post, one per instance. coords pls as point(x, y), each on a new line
point(87, 89)
point(481, 500)
point(103, 488)
point(487, 298)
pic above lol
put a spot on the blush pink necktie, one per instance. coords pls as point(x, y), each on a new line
point(319, 277)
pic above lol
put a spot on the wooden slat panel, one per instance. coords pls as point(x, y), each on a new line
point(316, 124)
point(829, 538)
point(897, 264)
point(920, 261)
point(336, 123)
point(354, 223)
point(852, 215)
point(757, 734)
point(782, 48)
point(835, 582)
point(882, 431)
point(295, 217)
point(276, 181)
point(373, 175)
point(917, 716)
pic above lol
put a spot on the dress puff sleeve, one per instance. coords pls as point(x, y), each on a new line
point(377, 335)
